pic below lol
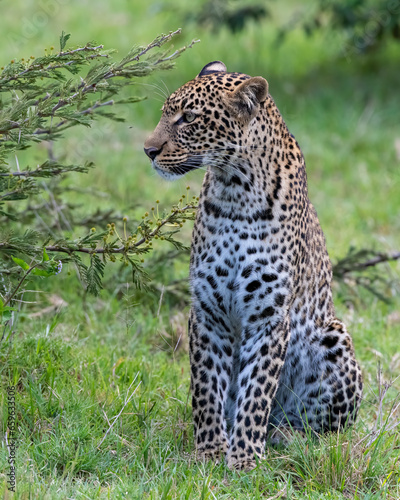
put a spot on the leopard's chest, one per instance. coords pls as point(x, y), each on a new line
point(237, 268)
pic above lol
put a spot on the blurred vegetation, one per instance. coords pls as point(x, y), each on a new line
point(364, 24)
point(234, 14)
point(82, 364)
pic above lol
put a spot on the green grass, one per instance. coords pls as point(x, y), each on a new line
point(72, 380)
point(76, 370)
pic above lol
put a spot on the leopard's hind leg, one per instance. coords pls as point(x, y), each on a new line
point(321, 383)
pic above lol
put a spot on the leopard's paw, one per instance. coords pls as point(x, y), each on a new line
point(211, 452)
point(241, 463)
point(283, 436)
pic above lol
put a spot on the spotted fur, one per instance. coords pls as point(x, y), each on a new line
point(266, 349)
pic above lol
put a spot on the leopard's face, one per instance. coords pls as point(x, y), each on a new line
point(203, 122)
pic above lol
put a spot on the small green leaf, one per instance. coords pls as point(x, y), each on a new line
point(7, 313)
point(21, 263)
point(43, 272)
point(6, 316)
point(63, 40)
point(45, 256)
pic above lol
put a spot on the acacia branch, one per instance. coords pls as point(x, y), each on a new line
point(114, 71)
point(34, 173)
point(28, 272)
point(350, 264)
point(157, 43)
point(10, 193)
point(83, 88)
point(59, 105)
point(378, 259)
point(51, 66)
point(176, 53)
point(123, 249)
point(34, 111)
point(63, 122)
point(80, 49)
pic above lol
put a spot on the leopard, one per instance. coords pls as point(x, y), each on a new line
point(267, 354)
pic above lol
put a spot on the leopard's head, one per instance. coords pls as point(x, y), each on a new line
point(205, 121)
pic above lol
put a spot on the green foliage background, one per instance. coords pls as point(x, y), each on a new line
point(76, 360)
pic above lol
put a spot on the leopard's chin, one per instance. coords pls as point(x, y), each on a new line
point(176, 171)
point(165, 174)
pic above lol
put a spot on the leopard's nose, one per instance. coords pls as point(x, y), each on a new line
point(152, 152)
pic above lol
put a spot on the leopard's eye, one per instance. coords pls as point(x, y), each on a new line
point(187, 117)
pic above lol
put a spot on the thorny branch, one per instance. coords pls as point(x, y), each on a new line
point(39, 102)
point(123, 249)
point(14, 292)
point(348, 265)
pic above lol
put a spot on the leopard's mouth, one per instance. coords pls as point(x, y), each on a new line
point(169, 170)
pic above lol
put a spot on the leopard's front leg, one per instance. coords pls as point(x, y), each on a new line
point(262, 355)
point(211, 364)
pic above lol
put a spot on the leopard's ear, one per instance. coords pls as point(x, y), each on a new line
point(213, 67)
point(245, 100)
